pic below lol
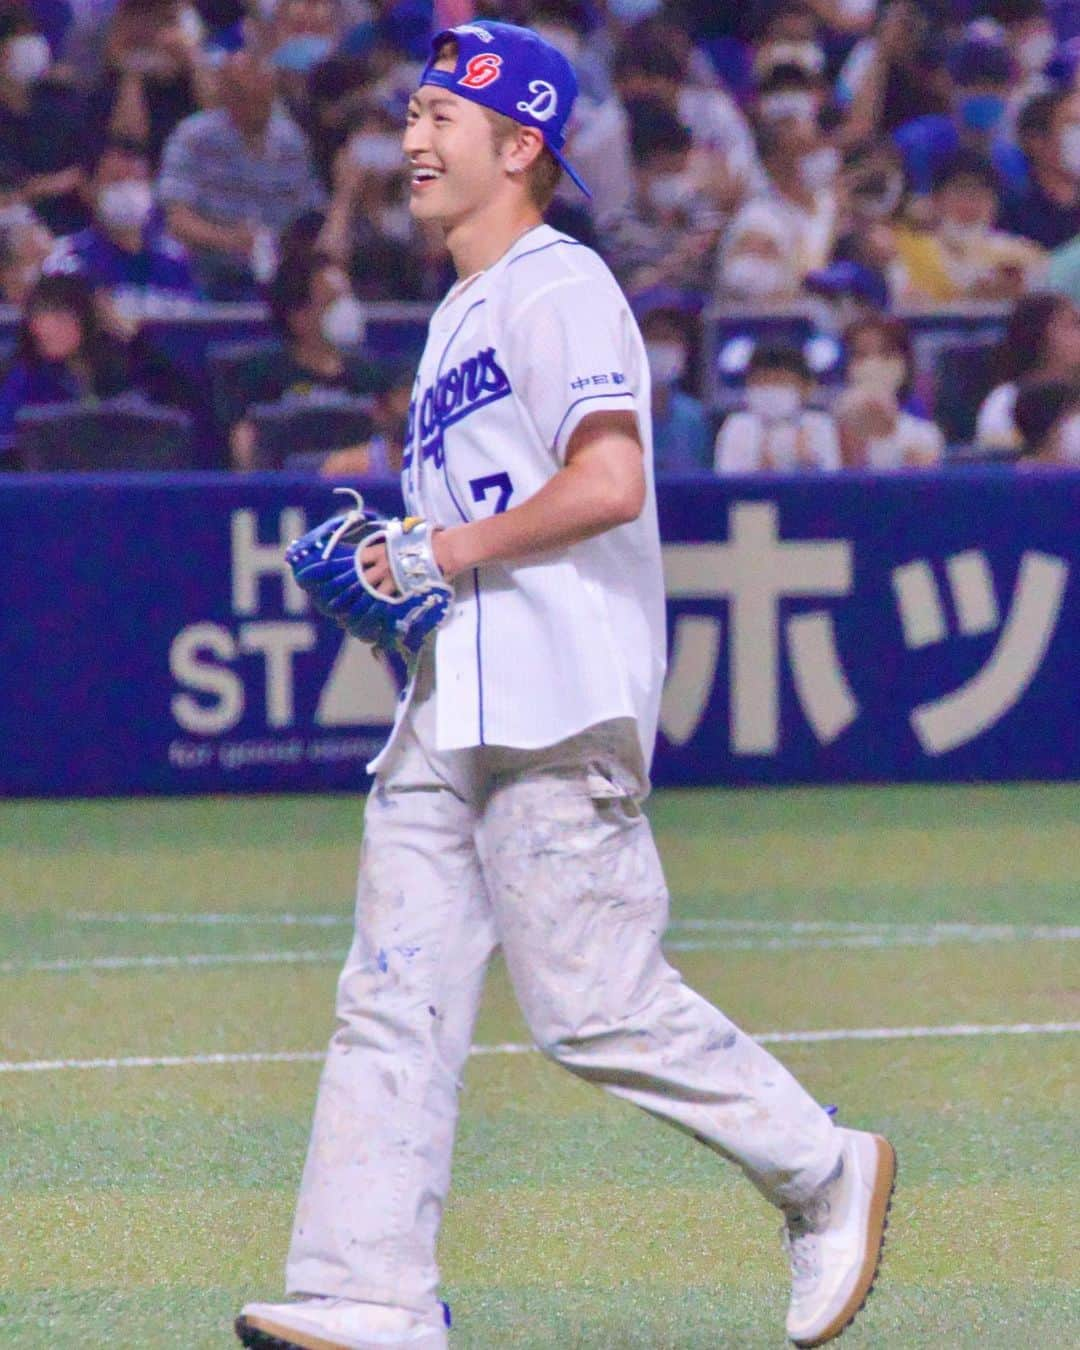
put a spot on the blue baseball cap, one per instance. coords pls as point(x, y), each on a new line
point(512, 71)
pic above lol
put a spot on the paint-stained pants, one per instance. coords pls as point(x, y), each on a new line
point(546, 854)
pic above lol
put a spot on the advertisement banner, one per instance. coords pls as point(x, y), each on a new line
point(913, 627)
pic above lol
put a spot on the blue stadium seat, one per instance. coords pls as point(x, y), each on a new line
point(123, 433)
point(305, 427)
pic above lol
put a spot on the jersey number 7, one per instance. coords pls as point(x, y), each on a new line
point(493, 482)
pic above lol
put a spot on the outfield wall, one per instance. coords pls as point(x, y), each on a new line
point(908, 628)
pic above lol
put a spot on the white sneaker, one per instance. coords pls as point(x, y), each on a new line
point(834, 1242)
point(340, 1324)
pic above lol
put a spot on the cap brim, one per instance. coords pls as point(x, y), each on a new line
point(571, 173)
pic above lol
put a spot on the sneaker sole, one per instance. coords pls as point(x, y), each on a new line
point(264, 1337)
point(880, 1204)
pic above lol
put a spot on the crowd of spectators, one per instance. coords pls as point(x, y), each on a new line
point(861, 159)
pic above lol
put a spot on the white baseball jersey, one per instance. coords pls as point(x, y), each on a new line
point(535, 651)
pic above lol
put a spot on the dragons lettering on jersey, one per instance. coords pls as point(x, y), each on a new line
point(458, 392)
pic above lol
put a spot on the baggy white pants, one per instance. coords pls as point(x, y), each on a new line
point(547, 854)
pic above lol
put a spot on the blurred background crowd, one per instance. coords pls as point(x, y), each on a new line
point(850, 229)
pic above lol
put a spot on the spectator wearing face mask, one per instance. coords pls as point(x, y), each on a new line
point(681, 441)
point(962, 256)
point(126, 252)
point(321, 326)
point(43, 127)
point(982, 73)
point(1046, 208)
point(233, 178)
point(877, 430)
point(788, 231)
point(1048, 418)
point(667, 234)
point(777, 433)
point(1041, 344)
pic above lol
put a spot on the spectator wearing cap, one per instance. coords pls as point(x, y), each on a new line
point(878, 429)
point(982, 72)
point(963, 257)
point(667, 234)
point(681, 441)
point(1041, 343)
point(126, 253)
point(233, 178)
point(43, 125)
point(777, 433)
point(793, 224)
point(321, 326)
point(1048, 417)
point(1046, 207)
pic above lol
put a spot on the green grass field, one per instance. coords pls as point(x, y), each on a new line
point(142, 1205)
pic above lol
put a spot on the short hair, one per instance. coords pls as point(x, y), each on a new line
point(770, 356)
point(654, 128)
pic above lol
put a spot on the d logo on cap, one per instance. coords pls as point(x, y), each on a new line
point(544, 104)
point(482, 70)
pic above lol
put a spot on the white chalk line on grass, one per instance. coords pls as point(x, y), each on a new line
point(959, 1029)
point(66, 965)
point(795, 928)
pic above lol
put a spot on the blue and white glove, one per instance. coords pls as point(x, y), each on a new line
point(326, 564)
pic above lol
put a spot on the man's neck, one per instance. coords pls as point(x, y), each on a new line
point(482, 239)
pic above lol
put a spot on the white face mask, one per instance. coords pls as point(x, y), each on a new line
point(819, 168)
point(1034, 52)
point(667, 361)
point(878, 373)
point(773, 402)
point(379, 151)
point(343, 322)
point(857, 10)
point(798, 103)
point(126, 205)
point(28, 58)
point(1069, 143)
point(751, 275)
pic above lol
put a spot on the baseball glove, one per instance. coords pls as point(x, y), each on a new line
point(326, 564)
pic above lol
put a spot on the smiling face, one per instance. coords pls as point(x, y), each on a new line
point(450, 145)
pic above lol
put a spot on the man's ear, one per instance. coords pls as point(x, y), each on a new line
point(526, 150)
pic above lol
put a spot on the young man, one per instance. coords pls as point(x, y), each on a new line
point(506, 809)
